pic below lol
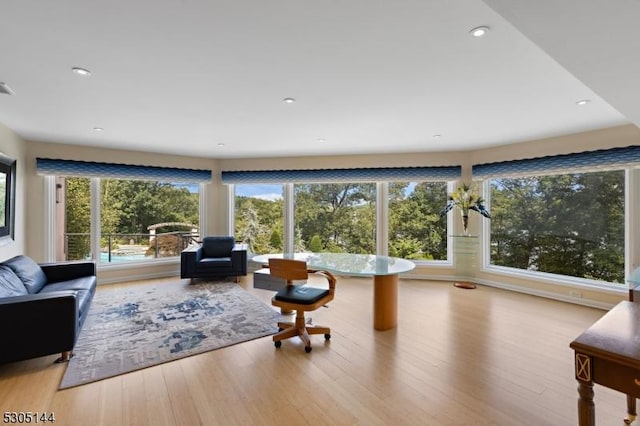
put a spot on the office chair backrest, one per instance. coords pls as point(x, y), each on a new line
point(288, 269)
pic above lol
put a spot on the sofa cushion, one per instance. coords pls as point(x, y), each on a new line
point(82, 283)
point(215, 262)
point(10, 284)
point(84, 287)
point(217, 246)
point(29, 273)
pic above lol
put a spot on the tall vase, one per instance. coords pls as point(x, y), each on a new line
point(465, 225)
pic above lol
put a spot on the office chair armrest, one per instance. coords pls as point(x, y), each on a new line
point(328, 275)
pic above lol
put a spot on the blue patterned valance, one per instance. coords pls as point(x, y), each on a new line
point(47, 166)
point(604, 159)
point(383, 174)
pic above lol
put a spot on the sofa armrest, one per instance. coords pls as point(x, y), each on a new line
point(38, 324)
point(64, 271)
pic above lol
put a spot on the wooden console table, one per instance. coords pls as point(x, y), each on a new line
point(608, 353)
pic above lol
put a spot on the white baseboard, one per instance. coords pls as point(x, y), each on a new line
point(525, 290)
point(138, 277)
point(547, 294)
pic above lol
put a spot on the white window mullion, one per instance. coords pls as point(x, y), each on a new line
point(95, 219)
point(451, 185)
point(49, 219)
point(231, 204)
point(632, 220)
point(382, 218)
point(485, 241)
point(288, 222)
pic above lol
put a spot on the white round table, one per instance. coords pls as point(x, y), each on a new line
point(383, 269)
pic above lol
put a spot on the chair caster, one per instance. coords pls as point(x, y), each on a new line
point(307, 349)
point(327, 336)
point(277, 344)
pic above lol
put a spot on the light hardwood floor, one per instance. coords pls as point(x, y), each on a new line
point(458, 357)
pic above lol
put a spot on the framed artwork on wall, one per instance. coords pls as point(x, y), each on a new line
point(7, 196)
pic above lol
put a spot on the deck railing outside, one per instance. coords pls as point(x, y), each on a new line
point(129, 247)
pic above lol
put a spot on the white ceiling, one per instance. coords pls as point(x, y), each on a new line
point(368, 76)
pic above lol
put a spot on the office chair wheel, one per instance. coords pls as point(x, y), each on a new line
point(277, 344)
point(327, 336)
point(307, 349)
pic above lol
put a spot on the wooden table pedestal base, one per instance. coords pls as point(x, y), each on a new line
point(464, 284)
point(385, 302)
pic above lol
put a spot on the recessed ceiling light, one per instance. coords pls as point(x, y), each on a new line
point(98, 129)
point(220, 144)
point(321, 140)
point(437, 136)
point(81, 71)
point(583, 102)
point(289, 100)
point(479, 31)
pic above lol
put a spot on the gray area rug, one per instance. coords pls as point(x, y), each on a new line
point(137, 327)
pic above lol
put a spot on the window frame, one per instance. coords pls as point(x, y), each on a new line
point(631, 252)
point(382, 223)
point(95, 231)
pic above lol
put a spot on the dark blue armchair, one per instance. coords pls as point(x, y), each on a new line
point(215, 257)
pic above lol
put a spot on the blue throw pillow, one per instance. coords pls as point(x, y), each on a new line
point(29, 273)
point(10, 284)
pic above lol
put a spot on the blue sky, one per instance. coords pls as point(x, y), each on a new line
point(192, 187)
point(274, 192)
point(263, 191)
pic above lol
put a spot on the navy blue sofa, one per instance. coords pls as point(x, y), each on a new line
point(43, 307)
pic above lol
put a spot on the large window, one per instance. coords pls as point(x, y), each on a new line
point(75, 236)
point(139, 220)
point(567, 224)
point(337, 217)
point(341, 217)
point(258, 217)
point(338, 210)
point(416, 230)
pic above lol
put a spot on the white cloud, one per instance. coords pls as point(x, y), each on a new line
point(268, 197)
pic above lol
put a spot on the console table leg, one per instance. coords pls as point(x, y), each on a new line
point(586, 407)
point(631, 410)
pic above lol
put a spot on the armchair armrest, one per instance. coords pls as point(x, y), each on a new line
point(189, 257)
point(38, 324)
point(239, 258)
point(241, 247)
point(63, 271)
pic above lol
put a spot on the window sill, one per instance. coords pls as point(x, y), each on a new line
point(137, 264)
point(559, 280)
